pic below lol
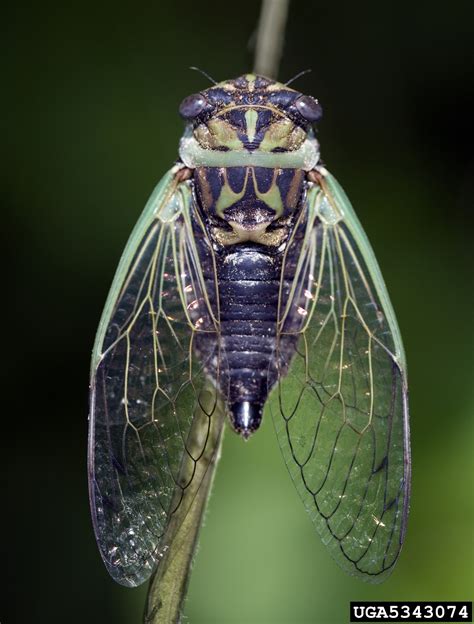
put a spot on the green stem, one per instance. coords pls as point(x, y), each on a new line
point(270, 37)
point(169, 583)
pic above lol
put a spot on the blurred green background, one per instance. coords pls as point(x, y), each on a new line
point(90, 101)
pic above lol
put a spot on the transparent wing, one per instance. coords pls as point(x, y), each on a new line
point(341, 410)
point(152, 402)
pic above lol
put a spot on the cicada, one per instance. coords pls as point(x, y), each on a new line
point(248, 287)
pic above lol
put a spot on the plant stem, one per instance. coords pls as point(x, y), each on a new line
point(270, 37)
point(169, 583)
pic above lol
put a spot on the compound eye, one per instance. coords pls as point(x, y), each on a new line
point(309, 108)
point(192, 105)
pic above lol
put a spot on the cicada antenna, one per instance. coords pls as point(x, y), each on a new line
point(201, 71)
point(301, 73)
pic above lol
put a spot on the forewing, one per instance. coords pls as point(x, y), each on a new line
point(341, 411)
point(151, 400)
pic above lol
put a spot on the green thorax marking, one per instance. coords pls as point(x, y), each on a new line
point(271, 198)
point(251, 118)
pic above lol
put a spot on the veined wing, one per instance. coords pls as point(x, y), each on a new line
point(153, 408)
point(341, 412)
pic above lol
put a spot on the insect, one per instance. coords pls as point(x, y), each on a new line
point(248, 287)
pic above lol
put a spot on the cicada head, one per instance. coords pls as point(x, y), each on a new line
point(255, 120)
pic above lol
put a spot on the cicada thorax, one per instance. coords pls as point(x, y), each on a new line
point(249, 213)
point(249, 204)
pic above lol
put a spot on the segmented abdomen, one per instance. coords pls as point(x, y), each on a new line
point(250, 286)
point(249, 282)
